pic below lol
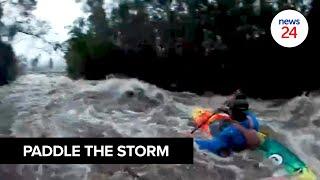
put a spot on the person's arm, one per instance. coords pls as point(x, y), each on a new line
point(216, 145)
point(255, 120)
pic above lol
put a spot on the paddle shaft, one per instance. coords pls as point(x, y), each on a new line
point(195, 129)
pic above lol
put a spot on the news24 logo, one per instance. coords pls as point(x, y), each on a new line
point(289, 28)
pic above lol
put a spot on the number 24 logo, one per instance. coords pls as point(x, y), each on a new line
point(287, 33)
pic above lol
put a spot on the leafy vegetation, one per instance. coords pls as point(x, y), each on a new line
point(167, 30)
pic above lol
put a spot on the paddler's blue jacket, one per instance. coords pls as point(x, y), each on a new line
point(230, 138)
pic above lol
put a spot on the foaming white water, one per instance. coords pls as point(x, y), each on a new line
point(55, 106)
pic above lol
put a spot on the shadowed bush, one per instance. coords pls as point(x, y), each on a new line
point(8, 64)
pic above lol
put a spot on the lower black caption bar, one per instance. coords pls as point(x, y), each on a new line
point(96, 151)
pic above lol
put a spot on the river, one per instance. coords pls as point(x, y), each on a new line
point(52, 105)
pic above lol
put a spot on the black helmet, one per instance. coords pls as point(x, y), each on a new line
point(240, 102)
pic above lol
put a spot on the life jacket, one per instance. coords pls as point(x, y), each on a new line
point(204, 118)
point(253, 138)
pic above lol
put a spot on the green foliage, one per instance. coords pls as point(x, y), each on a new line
point(176, 26)
point(85, 47)
point(8, 64)
point(77, 56)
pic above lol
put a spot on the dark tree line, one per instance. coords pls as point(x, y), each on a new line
point(8, 61)
point(195, 45)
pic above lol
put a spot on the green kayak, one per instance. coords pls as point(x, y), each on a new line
point(282, 156)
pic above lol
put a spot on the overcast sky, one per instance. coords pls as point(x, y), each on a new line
point(59, 14)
